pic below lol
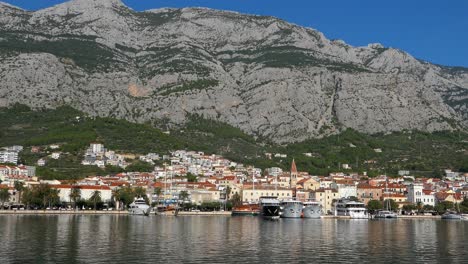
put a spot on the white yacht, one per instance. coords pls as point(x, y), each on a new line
point(139, 207)
point(312, 209)
point(356, 210)
point(291, 209)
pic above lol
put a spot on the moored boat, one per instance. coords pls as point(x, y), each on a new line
point(139, 207)
point(451, 216)
point(269, 207)
point(385, 214)
point(355, 210)
point(312, 209)
point(291, 209)
point(246, 209)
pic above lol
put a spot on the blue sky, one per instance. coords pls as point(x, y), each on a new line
point(432, 30)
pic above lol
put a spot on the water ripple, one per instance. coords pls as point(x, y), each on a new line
point(126, 239)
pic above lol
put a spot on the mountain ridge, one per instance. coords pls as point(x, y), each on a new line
point(270, 78)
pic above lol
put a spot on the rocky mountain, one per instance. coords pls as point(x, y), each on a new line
point(270, 78)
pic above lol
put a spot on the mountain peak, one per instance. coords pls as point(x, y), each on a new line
point(97, 3)
point(3, 4)
point(84, 6)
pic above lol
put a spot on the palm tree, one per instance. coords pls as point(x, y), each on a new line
point(75, 195)
point(228, 192)
point(96, 198)
point(158, 193)
point(140, 192)
point(116, 195)
point(419, 205)
point(19, 187)
point(4, 196)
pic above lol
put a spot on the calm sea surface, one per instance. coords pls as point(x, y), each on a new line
point(156, 239)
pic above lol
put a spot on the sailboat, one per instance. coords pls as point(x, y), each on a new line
point(386, 213)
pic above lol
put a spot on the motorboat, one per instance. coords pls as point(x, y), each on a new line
point(269, 207)
point(451, 216)
point(246, 209)
point(353, 209)
point(291, 208)
point(312, 209)
point(139, 207)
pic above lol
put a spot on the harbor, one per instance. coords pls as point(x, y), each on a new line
point(211, 239)
point(174, 214)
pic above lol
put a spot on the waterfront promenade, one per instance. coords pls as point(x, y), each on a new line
point(61, 212)
point(171, 213)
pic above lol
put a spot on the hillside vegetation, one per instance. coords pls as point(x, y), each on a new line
point(425, 154)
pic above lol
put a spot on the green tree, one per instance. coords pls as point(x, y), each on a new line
point(95, 198)
point(140, 166)
point(19, 187)
point(236, 200)
point(390, 204)
point(116, 196)
point(228, 192)
point(53, 197)
point(191, 177)
point(127, 196)
point(183, 196)
point(419, 206)
point(27, 197)
point(373, 205)
point(409, 207)
point(75, 195)
point(428, 207)
point(157, 191)
point(442, 207)
point(4, 196)
point(139, 192)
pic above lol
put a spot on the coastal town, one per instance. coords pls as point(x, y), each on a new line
point(197, 178)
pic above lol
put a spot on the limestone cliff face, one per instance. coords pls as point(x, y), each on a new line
point(261, 74)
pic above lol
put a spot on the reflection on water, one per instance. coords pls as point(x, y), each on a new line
point(127, 239)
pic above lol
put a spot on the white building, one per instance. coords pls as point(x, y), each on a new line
point(416, 193)
point(7, 156)
point(85, 190)
point(55, 155)
point(97, 148)
point(15, 148)
point(346, 190)
point(41, 162)
point(274, 171)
